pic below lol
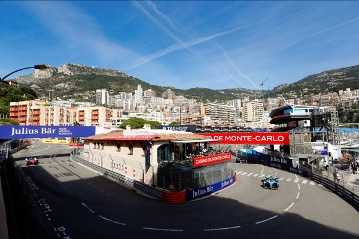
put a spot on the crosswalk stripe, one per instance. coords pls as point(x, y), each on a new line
point(262, 176)
point(304, 181)
point(255, 175)
point(296, 180)
point(249, 174)
point(289, 179)
point(312, 183)
point(244, 173)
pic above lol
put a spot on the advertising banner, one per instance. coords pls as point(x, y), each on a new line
point(281, 138)
point(204, 191)
point(205, 160)
point(24, 132)
point(187, 128)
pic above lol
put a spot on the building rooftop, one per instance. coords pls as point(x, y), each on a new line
point(150, 135)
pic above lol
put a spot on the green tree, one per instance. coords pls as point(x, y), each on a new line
point(137, 123)
point(174, 123)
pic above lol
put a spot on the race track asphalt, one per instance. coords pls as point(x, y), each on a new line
point(74, 201)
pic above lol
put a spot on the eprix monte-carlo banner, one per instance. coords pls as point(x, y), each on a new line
point(24, 132)
point(281, 138)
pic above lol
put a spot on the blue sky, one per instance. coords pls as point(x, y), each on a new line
point(185, 44)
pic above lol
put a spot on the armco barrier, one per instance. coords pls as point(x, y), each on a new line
point(147, 190)
point(338, 189)
point(121, 179)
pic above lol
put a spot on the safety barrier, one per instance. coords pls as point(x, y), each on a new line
point(121, 179)
point(338, 189)
point(174, 197)
point(147, 190)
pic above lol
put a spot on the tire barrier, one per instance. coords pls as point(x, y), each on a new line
point(174, 197)
point(338, 189)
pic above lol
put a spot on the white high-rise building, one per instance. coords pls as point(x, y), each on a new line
point(102, 97)
point(139, 94)
point(253, 111)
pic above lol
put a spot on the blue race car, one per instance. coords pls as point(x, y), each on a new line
point(270, 182)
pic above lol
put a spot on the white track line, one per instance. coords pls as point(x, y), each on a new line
point(266, 220)
point(296, 180)
point(297, 197)
point(304, 181)
point(255, 175)
point(312, 183)
point(298, 185)
point(244, 173)
point(110, 220)
point(249, 174)
point(221, 228)
point(84, 204)
point(163, 229)
point(289, 207)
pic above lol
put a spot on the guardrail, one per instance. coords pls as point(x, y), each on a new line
point(119, 178)
point(338, 189)
point(149, 191)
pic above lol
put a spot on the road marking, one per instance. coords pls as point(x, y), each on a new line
point(244, 173)
point(84, 204)
point(289, 179)
point(220, 229)
point(262, 175)
point(255, 175)
point(163, 229)
point(249, 174)
point(296, 180)
point(239, 172)
point(268, 219)
point(312, 183)
point(304, 181)
point(289, 207)
point(297, 197)
point(298, 185)
point(110, 220)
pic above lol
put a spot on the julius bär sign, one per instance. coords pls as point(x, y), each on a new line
point(205, 160)
point(23, 132)
point(250, 137)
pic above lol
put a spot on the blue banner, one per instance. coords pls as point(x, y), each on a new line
point(24, 132)
point(204, 191)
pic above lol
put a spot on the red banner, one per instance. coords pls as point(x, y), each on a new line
point(211, 159)
point(250, 137)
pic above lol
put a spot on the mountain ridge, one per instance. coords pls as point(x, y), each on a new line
point(80, 81)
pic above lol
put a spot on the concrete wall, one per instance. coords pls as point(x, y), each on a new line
point(132, 166)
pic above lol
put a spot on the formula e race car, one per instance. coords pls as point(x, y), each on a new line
point(32, 161)
point(270, 182)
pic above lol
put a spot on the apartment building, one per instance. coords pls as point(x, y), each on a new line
point(219, 114)
point(40, 112)
point(253, 111)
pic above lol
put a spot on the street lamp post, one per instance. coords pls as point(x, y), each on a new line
point(38, 67)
